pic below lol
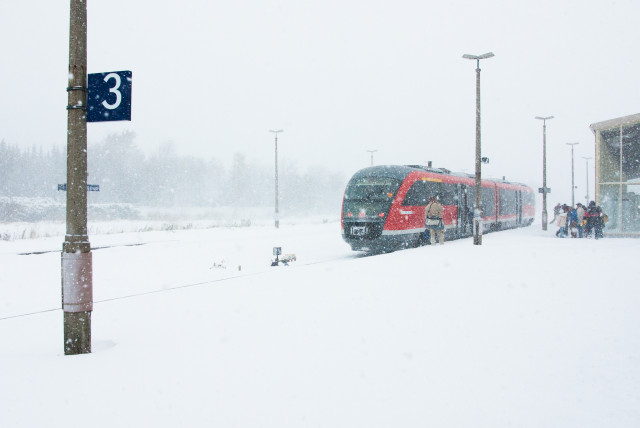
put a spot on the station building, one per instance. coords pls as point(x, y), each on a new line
point(617, 181)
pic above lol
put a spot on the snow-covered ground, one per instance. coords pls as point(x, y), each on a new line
point(194, 328)
point(138, 219)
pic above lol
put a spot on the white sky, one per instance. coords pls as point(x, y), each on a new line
point(340, 77)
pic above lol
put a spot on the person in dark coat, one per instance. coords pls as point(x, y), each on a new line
point(599, 225)
point(594, 220)
point(572, 222)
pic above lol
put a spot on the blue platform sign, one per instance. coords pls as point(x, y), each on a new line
point(109, 96)
point(90, 187)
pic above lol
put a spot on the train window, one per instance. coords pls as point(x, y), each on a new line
point(529, 198)
point(420, 193)
point(449, 195)
point(416, 195)
point(471, 196)
point(507, 202)
point(372, 189)
point(488, 202)
point(432, 188)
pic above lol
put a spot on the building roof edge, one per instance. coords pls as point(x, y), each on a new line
point(611, 123)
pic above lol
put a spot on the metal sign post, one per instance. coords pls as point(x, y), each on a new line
point(276, 252)
point(545, 189)
point(277, 212)
point(545, 218)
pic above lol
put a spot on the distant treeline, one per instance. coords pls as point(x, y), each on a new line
point(165, 179)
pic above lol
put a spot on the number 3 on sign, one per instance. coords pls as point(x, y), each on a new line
point(109, 96)
point(113, 90)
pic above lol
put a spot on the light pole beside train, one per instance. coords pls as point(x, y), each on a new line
point(544, 170)
point(477, 212)
point(587, 196)
point(276, 214)
point(372, 152)
point(573, 186)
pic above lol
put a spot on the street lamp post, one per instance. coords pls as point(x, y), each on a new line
point(544, 169)
point(372, 152)
point(277, 214)
point(477, 212)
point(573, 186)
point(587, 196)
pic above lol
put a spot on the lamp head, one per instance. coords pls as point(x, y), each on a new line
point(478, 57)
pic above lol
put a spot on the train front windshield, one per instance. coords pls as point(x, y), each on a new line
point(372, 189)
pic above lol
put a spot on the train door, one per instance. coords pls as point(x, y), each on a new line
point(488, 208)
point(465, 205)
point(470, 200)
point(518, 207)
point(496, 209)
point(459, 209)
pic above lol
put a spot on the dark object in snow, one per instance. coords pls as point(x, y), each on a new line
point(288, 258)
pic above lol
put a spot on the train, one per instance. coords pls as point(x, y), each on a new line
point(383, 207)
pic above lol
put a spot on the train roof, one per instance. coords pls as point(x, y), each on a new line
point(393, 171)
point(401, 171)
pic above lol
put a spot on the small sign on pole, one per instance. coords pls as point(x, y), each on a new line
point(90, 187)
point(109, 96)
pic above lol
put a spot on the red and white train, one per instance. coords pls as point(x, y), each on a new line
point(384, 206)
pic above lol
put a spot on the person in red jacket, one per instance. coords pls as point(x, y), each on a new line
point(594, 221)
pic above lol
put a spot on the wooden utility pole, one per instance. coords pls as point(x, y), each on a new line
point(77, 275)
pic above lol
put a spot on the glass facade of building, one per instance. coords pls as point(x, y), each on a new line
point(618, 173)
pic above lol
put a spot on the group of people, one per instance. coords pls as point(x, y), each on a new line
point(579, 221)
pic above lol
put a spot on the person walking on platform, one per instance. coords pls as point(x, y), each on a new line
point(562, 222)
point(594, 221)
point(556, 211)
point(580, 211)
point(433, 220)
point(572, 221)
